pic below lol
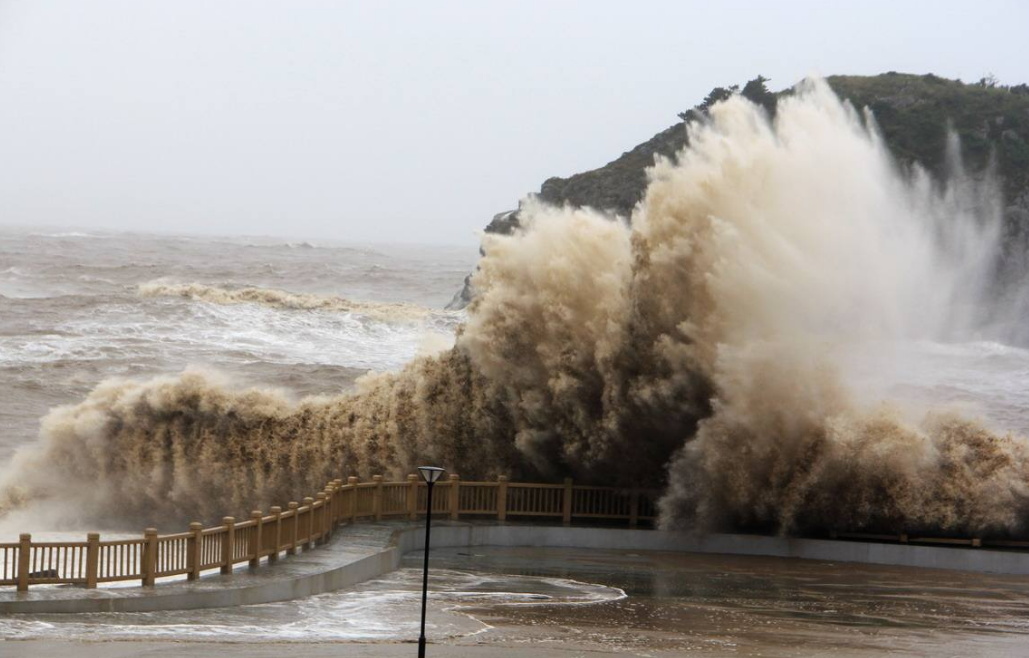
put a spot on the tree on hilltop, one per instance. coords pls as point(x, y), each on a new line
point(757, 92)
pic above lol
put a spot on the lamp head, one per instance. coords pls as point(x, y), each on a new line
point(431, 473)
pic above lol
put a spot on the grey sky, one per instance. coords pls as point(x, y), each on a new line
point(401, 121)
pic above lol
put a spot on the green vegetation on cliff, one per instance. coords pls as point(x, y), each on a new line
point(914, 113)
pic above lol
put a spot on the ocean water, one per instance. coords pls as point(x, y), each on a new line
point(77, 308)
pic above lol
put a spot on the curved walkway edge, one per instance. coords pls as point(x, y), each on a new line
point(365, 551)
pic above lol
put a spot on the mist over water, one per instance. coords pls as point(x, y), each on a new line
point(795, 333)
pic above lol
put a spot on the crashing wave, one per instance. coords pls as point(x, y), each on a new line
point(699, 347)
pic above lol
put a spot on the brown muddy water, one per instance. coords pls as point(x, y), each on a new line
point(535, 601)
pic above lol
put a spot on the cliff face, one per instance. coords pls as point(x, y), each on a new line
point(914, 114)
point(618, 185)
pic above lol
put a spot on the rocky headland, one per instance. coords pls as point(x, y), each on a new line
point(915, 114)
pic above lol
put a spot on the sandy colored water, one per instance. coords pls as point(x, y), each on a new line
point(73, 313)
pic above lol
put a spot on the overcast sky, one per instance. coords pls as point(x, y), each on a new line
point(401, 121)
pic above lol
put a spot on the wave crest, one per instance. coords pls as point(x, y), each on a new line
point(284, 300)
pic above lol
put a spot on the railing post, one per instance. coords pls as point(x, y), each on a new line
point(309, 504)
point(502, 498)
point(412, 496)
point(150, 557)
point(340, 510)
point(294, 528)
point(330, 507)
point(377, 497)
point(228, 544)
point(337, 504)
point(566, 511)
point(327, 513)
point(254, 548)
point(330, 502)
point(321, 525)
point(634, 508)
point(24, 557)
point(195, 545)
point(277, 533)
point(92, 559)
point(352, 483)
point(455, 496)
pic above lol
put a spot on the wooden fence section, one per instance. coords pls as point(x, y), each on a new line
point(305, 524)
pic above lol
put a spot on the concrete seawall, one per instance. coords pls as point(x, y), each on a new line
point(363, 552)
point(929, 557)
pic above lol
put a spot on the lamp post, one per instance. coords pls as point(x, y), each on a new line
point(430, 474)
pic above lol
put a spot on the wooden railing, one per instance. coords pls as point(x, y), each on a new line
point(304, 525)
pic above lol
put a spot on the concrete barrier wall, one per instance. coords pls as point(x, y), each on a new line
point(931, 557)
point(411, 538)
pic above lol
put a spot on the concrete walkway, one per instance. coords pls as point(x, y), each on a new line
point(367, 550)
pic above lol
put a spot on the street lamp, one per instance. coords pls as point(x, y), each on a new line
point(430, 474)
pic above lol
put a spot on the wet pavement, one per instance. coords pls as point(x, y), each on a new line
point(539, 601)
point(745, 605)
